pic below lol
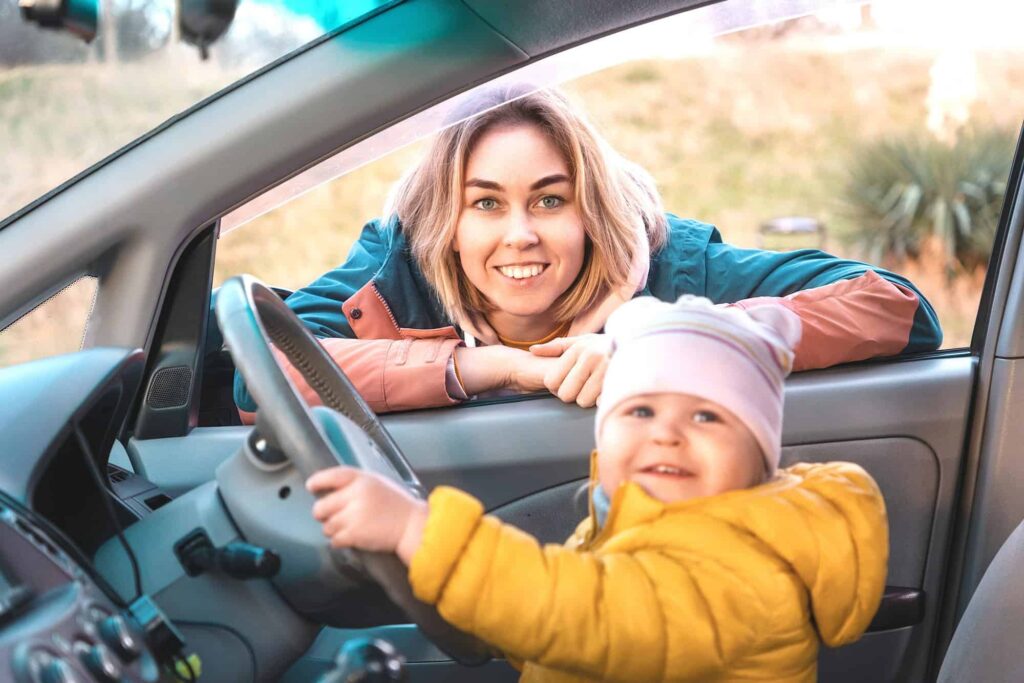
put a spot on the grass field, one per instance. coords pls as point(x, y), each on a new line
point(752, 131)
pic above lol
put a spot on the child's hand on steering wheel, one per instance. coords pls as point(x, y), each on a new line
point(366, 511)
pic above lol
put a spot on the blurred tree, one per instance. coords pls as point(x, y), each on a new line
point(903, 191)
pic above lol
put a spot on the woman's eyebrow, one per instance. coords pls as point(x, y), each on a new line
point(550, 180)
point(485, 184)
point(543, 182)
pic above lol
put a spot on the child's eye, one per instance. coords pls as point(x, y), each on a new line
point(705, 416)
point(641, 411)
point(551, 202)
point(486, 204)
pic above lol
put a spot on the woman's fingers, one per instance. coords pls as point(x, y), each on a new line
point(586, 366)
point(579, 373)
point(553, 348)
point(560, 369)
point(591, 391)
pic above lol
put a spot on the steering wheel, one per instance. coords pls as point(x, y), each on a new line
point(252, 318)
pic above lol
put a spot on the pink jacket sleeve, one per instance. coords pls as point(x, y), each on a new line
point(850, 320)
point(390, 374)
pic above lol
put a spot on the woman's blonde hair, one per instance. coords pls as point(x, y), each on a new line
point(618, 203)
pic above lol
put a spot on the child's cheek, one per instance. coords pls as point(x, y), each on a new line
point(609, 474)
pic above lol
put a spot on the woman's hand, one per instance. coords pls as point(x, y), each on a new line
point(579, 368)
point(366, 511)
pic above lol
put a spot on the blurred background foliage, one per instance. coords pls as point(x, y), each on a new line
point(905, 192)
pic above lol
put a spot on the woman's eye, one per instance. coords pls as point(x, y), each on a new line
point(641, 411)
point(551, 202)
point(486, 204)
point(705, 416)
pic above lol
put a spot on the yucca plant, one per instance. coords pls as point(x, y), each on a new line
point(901, 191)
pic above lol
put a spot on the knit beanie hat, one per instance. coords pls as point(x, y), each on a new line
point(735, 357)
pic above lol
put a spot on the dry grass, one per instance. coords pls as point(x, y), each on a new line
point(733, 139)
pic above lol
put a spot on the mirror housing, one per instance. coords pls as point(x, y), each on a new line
point(201, 22)
point(79, 17)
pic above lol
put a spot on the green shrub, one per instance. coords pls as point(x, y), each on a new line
point(901, 191)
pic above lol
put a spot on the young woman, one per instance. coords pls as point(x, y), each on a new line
point(506, 248)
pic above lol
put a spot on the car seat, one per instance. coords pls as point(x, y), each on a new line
point(985, 645)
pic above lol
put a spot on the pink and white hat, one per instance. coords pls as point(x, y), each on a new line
point(736, 357)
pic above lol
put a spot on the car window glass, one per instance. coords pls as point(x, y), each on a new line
point(66, 104)
point(866, 132)
point(55, 326)
point(860, 130)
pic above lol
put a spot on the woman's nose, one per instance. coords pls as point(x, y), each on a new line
point(519, 233)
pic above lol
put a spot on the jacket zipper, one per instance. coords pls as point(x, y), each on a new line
point(386, 307)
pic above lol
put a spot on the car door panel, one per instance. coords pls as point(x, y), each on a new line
point(901, 420)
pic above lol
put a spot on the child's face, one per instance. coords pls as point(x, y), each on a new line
point(677, 447)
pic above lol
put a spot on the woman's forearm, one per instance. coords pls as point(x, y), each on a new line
point(483, 368)
point(487, 368)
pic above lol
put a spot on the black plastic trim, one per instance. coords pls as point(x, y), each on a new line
point(177, 349)
point(1013, 189)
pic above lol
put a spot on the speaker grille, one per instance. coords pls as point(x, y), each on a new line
point(169, 387)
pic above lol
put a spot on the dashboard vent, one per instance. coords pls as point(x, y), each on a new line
point(169, 387)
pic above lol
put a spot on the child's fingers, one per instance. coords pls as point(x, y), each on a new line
point(331, 478)
point(342, 538)
point(335, 523)
point(330, 504)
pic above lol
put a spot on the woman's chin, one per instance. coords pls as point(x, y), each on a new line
point(532, 305)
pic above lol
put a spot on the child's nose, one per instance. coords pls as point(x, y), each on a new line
point(668, 433)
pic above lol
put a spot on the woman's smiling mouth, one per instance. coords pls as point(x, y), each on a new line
point(525, 271)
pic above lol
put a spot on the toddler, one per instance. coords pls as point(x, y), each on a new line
point(699, 560)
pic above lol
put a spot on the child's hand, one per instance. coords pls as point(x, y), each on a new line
point(366, 511)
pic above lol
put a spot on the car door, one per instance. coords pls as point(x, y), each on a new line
point(936, 430)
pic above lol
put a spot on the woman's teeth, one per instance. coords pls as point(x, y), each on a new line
point(521, 272)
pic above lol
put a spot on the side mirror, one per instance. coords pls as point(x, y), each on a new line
point(203, 21)
point(80, 17)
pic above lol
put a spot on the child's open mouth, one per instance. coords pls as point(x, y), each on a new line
point(667, 471)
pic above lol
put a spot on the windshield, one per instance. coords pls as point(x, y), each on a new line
point(66, 104)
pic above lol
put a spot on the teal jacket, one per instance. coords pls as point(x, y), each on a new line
point(695, 260)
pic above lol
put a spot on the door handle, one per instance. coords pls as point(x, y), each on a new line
point(900, 607)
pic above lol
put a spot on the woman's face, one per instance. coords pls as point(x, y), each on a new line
point(520, 238)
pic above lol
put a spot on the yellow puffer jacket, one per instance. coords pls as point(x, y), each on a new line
point(739, 586)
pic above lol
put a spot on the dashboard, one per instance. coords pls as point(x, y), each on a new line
point(59, 621)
